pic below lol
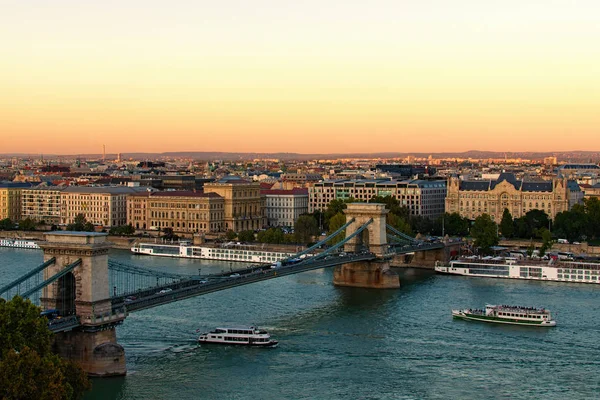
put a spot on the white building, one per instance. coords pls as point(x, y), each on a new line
point(103, 206)
point(283, 207)
point(421, 197)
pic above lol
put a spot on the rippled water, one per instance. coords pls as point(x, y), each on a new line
point(354, 343)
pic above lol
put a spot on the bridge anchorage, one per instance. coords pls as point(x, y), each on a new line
point(93, 294)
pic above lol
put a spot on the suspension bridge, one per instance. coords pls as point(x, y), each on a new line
point(93, 294)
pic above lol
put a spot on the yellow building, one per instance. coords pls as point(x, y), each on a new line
point(181, 211)
point(10, 200)
point(473, 198)
point(244, 207)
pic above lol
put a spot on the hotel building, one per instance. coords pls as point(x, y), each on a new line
point(472, 198)
point(421, 197)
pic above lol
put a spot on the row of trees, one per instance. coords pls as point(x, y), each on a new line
point(28, 367)
point(26, 224)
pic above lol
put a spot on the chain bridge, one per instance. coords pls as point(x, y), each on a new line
point(93, 294)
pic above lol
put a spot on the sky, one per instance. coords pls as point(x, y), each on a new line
point(306, 77)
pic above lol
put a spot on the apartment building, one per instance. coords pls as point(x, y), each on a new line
point(421, 197)
point(102, 206)
point(41, 204)
point(10, 199)
point(283, 207)
point(472, 198)
point(181, 211)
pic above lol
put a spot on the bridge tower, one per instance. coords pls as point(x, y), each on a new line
point(84, 292)
point(368, 274)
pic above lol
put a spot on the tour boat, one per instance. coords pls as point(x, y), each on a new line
point(19, 244)
point(245, 336)
point(511, 268)
point(226, 252)
point(513, 315)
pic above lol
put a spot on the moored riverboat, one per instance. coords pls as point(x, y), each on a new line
point(511, 268)
point(243, 336)
point(504, 314)
point(225, 252)
point(19, 244)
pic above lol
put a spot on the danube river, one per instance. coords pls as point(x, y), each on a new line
point(345, 343)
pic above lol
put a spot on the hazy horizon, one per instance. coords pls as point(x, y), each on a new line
point(310, 77)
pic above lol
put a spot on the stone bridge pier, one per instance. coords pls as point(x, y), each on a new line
point(367, 274)
point(83, 292)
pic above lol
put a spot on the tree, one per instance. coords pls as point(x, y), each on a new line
point(230, 235)
point(455, 225)
point(27, 224)
point(246, 236)
point(399, 223)
point(484, 232)
point(507, 226)
point(573, 225)
point(392, 204)
point(272, 235)
point(6, 224)
point(28, 368)
point(122, 230)
point(592, 209)
point(335, 223)
point(80, 224)
point(305, 228)
point(547, 241)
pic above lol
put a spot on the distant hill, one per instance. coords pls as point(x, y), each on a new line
point(574, 156)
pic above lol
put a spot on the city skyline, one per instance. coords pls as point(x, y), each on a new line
point(307, 78)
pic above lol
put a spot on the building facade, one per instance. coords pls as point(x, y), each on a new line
point(10, 200)
point(283, 207)
point(102, 206)
point(181, 211)
point(421, 197)
point(473, 198)
point(243, 204)
point(42, 204)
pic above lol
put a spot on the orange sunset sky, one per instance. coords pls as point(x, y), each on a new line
point(308, 76)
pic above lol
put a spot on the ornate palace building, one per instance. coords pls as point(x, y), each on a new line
point(243, 204)
point(472, 198)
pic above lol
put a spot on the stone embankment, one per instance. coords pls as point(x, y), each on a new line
point(582, 248)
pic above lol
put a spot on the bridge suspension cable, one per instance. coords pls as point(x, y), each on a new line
point(321, 242)
point(53, 278)
point(401, 234)
point(340, 244)
point(17, 283)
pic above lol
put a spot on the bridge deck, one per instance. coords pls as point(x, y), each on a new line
point(190, 288)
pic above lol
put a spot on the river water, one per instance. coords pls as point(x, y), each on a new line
point(347, 343)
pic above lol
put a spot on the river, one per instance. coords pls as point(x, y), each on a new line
point(347, 343)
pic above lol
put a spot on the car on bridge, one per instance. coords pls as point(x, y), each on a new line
point(234, 275)
point(166, 290)
point(129, 299)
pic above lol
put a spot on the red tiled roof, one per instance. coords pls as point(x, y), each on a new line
point(266, 186)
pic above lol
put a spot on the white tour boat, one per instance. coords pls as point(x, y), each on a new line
point(245, 336)
point(19, 244)
point(499, 267)
point(226, 252)
point(513, 315)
